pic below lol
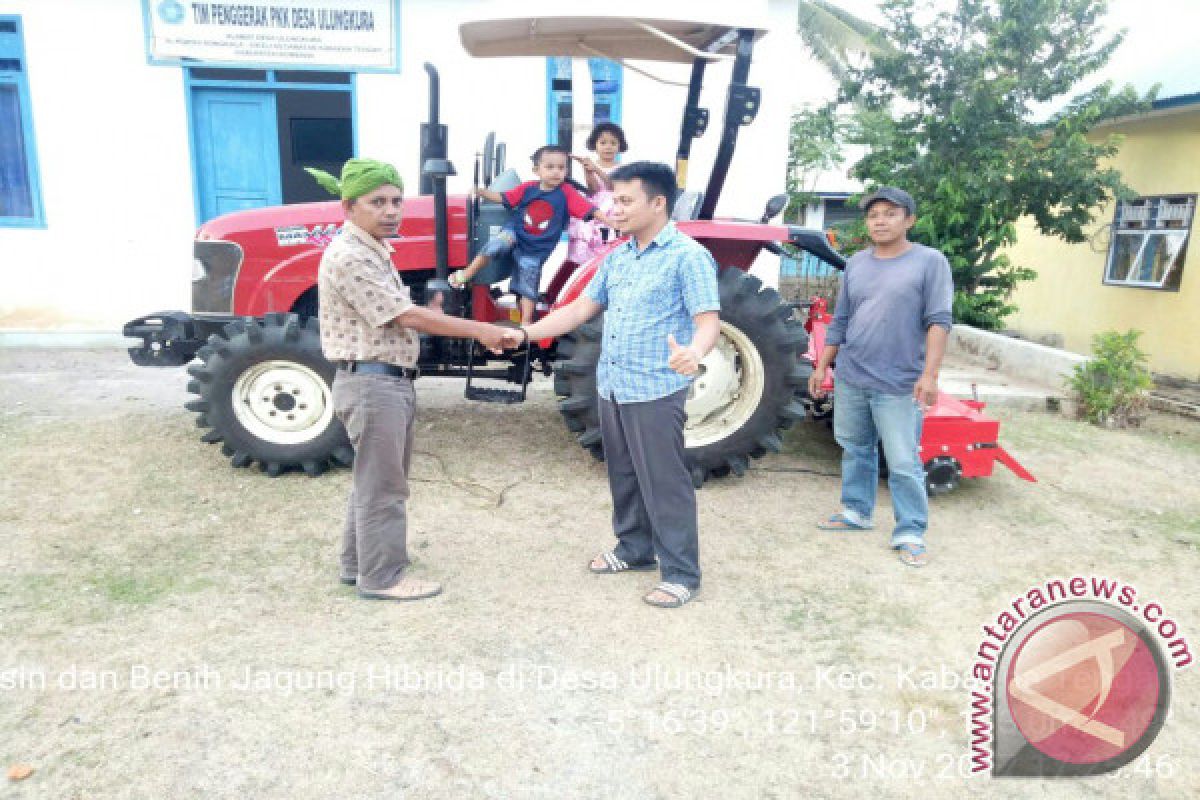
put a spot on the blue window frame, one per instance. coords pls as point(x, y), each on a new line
point(20, 189)
point(607, 79)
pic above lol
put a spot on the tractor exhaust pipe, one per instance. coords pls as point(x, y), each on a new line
point(435, 168)
point(434, 137)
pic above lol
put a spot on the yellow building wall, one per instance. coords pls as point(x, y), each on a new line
point(1160, 155)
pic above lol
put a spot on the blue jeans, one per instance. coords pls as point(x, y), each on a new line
point(861, 418)
point(526, 277)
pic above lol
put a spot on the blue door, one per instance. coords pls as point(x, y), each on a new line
point(237, 150)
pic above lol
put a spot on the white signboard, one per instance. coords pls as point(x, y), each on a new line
point(361, 35)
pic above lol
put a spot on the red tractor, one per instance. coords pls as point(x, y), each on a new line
point(263, 386)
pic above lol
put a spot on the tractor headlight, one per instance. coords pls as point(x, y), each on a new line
point(199, 271)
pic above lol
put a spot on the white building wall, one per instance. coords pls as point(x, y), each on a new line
point(505, 95)
point(112, 141)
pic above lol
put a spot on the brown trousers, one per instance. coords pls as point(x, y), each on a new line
point(378, 412)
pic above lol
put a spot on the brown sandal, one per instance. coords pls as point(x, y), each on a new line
point(405, 589)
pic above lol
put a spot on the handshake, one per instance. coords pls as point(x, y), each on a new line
point(497, 339)
point(683, 359)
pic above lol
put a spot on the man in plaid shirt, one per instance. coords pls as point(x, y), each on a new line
point(656, 290)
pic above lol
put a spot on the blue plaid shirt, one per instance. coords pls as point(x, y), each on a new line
point(647, 295)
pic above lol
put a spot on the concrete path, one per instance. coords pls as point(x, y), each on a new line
point(965, 377)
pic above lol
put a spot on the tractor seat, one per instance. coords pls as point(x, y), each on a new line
point(687, 206)
point(509, 179)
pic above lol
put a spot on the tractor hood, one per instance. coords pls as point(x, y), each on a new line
point(288, 220)
point(617, 30)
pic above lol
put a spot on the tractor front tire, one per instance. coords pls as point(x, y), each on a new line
point(265, 394)
point(750, 387)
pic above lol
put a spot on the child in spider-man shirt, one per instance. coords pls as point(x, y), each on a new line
point(541, 210)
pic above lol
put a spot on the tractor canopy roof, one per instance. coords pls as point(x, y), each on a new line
point(616, 30)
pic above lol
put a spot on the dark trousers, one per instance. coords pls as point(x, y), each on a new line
point(378, 412)
point(654, 502)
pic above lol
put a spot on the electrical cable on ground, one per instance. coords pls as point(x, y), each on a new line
point(804, 470)
point(498, 495)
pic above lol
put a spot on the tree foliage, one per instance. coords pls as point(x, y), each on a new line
point(837, 39)
point(814, 147)
point(835, 36)
point(948, 111)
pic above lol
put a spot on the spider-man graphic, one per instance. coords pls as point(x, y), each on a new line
point(538, 216)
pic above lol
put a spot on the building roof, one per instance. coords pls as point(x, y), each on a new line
point(1162, 107)
point(1177, 101)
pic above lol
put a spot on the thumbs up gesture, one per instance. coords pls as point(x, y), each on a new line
point(683, 360)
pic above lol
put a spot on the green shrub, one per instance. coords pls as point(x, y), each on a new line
point(1112, 389)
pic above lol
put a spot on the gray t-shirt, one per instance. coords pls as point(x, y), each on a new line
point(884, 309)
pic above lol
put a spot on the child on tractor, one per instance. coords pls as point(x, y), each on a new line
point(541, 210)
point(586, 239)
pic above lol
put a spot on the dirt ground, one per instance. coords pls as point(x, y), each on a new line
point(173, 627)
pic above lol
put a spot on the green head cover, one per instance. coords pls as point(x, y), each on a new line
point(359, 176)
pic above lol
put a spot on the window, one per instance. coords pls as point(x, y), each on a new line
point(606, 80)
point(322, 140)
point(838, 213)
point(20, 195)
point(268, 75)
point(1149, 242)
point(214, 74)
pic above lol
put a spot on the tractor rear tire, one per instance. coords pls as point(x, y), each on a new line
point(750, 389)
point(265, 393)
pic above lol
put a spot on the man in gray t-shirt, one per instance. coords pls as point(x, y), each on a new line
point(888, 335)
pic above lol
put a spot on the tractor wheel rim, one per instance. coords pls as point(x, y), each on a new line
point(282, 402)
point(728, 390)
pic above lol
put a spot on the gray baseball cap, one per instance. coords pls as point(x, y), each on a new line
point(893, 195)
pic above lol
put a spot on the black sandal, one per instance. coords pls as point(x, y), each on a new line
point(680, 594)
point(613, 564)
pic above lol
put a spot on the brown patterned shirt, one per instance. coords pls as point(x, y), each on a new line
point(361, 295)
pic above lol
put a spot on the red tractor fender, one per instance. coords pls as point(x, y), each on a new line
point(578, 281)
point(278, 287)
point(733, 243)
point(581, 278)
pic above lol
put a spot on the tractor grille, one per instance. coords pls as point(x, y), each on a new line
point(214, 276)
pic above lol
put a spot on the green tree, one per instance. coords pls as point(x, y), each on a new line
point(814, 146)
point(836, 38)
point(948, 110)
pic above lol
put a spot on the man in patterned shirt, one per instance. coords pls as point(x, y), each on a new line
point(656, 290)
point(368, 325)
